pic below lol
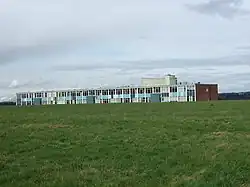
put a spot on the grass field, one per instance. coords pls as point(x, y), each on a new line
point(172, 144)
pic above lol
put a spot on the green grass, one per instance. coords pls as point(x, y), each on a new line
point(172, 144)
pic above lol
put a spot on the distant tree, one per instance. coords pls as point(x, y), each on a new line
point(6, 103)
point(235, 96)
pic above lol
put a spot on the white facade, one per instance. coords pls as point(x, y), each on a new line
point(140, 94)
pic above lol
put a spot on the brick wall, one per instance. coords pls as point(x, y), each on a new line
point(206, 92)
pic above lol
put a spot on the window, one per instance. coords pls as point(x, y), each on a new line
point(24, 95)
point(85, 93)
point(91, 92)
point(104, 92)
point(126, 100)
point(125, 91)
point(38, 94)
point(190, 93)
point(148, 90)
point(144, 100)
point(133, 91)
point(165, 94)
point(173, 89)
point(78, 93)
point(105, 101)
point(98, 92)
point(45, 94)
point(140, 90)
point(111, 92)
point(157, 89)
point(62, 94)
point(118, 91)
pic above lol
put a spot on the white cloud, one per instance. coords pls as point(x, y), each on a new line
point(224, 8)
point(13, 84)
point(75, 43)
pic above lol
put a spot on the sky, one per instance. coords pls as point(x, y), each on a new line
point(86, 44)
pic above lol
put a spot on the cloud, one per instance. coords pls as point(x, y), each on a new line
point(46, 29)
point(230, 72)
point(16, 85)
point(244, 48)
point(8, 89)
point(82, 43)
point(33, 51)
point(149, 64)
point(224, 8)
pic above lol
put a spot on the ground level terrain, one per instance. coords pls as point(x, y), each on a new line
point(161, 144)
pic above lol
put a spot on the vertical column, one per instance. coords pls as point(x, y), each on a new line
point(115, 95)
point(177, 93)
point(136, 94)
point(186, 93)
point(122, 96)
point(194, 87)
point(108, 95)
point(76, 97)
point(81, 94)
point(27, 95)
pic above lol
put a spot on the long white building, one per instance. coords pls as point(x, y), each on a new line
point(165, 89)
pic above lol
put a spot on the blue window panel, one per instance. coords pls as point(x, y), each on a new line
point(173, 94)
point(61, 98)
point(141, 95)
point(84, 97)
point(104, 96)
point(78, 97)
point(68, 98)
point(126, 96)
point(44, 99)
point(28, 99)
point(148, 95)
point(119, 96)
point(109, 96)
point(180, 94)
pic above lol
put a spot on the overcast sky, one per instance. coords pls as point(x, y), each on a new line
point(79, 43)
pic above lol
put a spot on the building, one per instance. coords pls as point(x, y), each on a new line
point(162, 90)
point(206, 92)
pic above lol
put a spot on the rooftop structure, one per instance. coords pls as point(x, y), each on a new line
point(159, 81)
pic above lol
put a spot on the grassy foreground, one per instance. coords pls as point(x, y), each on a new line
point(172, 144)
